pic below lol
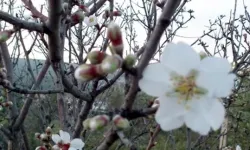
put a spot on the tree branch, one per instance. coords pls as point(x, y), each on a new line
point(31, 26)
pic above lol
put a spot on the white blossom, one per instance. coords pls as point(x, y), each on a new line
point(90, 21)
point(63, 141)
point(188, 88)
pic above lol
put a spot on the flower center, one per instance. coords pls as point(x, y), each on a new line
point(185, 88)
point(91, 19)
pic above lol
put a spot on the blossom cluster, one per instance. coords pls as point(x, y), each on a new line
point(62, 141)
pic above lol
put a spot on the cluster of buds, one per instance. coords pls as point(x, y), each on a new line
point(5, 35)
point(97, 122)
point(101, 65)
point(78, 16)
point(107, 13)
point(45, 139)
point(120, 122)
point(5, 104)
point(3, 77)
point(100, 121)
point(115, 36)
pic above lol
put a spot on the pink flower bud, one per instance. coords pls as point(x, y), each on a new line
point(38, 135)
point(117, 13)
point(44, 137)
point(84, 8)
point(114, 33)
point(98, 122)
point(48, 131)
point(78, 16)
point(5, 35)
point(130, 60)
point(41, 148)
point(120, 122)
point(86, 123)
point(7, 104)
point(111, 63)
point(87, 72)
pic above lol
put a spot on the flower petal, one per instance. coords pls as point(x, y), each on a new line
point(77, 143)
point(218, 85)
point(65, 136)
point(72, 148)
point(169, 114)
point(180, 58)
point(215, 116)
point(156, 80)
point(171, 124)
point(215, 65)
point(56, 138)
point(196, 122)
point(156, 72)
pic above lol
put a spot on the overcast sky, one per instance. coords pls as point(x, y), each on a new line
point(204, 10)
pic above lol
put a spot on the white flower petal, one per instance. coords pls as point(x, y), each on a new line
point(72, 148)
point(218, 85)
point(215, 115)
point(65, 136)
point(156, 72)
point(180, 58)
point(196, 122)
point(155, 80)
point(169, 111)
point(171, 124)
point(56, 138)
point(215, 65)
point(77, 143)
point(152, 88)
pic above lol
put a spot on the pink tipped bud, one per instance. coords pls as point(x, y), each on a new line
point(7, 104)
point(130, 60)
point(98, 122)
point(38, 135)
point(120, 122)
point(115, 34)
point(44, 137)
point(87, 72)
point(96, 57)
point(111, 63)
point(117, 13)
point(41, 148)
point(48, 130)
point(78, 16)
point(86, 123)
point(84, 8)
point(5, 35)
